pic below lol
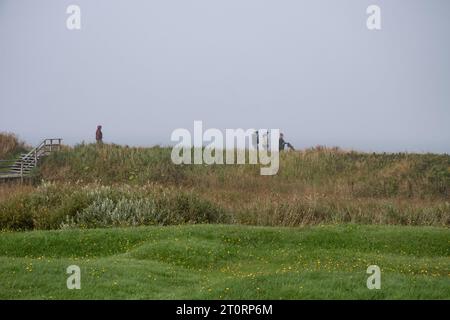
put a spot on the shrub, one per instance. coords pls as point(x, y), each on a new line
point(153, 209)
point(15, 214)
point(54, 206)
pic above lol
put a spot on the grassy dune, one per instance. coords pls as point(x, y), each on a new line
point(227, 262)
point(94, 186)
point(318, 170)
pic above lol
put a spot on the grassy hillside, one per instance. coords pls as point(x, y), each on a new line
point(227, 262)
point(319, 170)
point(109, 185)
point(142, 227)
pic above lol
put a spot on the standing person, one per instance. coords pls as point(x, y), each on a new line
point(281, 142)
point(264, 141)
point(99, 135)
point(257, 139)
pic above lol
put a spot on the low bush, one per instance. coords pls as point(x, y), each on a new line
point(54, 206)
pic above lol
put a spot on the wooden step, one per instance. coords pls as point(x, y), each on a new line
point(26, 162)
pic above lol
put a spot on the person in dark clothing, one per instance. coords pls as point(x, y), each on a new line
point(99, 135)
point(282, 143)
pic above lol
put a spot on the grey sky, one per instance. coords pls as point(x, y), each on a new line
point(310, 68)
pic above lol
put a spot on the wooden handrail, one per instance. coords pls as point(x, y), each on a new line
point(41, 145)
point(22, 166)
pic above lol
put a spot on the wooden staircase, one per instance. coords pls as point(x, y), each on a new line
point(23, 166)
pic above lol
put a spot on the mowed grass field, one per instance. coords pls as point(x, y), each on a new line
point(227, 262)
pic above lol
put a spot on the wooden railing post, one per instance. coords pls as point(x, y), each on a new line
point(21, 171)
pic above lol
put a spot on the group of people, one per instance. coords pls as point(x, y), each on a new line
point(282, 144)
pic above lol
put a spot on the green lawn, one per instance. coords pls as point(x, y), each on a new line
point(227, 262)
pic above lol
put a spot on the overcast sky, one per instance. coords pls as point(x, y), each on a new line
point(310, 68)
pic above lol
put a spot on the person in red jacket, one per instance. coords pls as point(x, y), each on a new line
point(99, 135)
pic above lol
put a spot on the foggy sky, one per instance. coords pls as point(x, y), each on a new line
point(310, 68)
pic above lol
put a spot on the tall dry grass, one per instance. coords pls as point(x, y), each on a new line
point(11, 145)
point(13, 189)
point(316, 170)
point(317, 185)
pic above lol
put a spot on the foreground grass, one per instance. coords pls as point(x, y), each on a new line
point(227, 262)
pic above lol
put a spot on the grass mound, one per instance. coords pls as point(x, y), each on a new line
point(109, 185)
point(227, 262)
point(329, 171)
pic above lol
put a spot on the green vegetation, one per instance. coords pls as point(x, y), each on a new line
point(330, 171)
point(53, 206)
point(11, 146)
point(109, 185)
point(56, 205)
point(227, 262)
point(142, 227)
